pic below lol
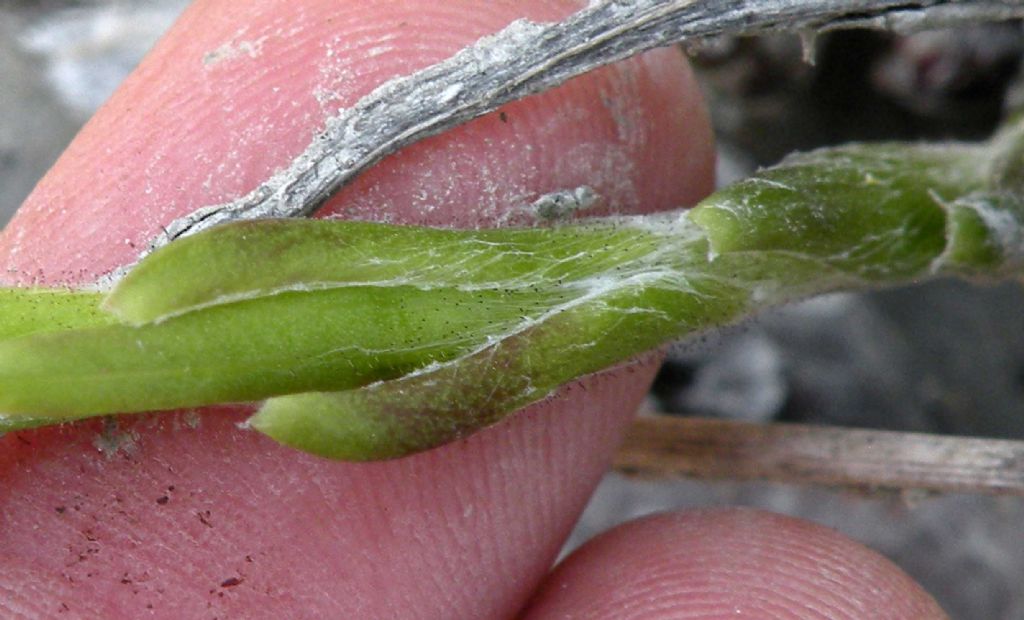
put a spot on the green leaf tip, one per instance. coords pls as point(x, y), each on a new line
point(245, 260)
point(445, 402)
point(369, 341)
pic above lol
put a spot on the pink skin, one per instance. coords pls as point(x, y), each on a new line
point(728, 564)
point(205, 520)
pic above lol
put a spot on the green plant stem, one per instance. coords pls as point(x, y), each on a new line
point(794, 231)
point(372, 341)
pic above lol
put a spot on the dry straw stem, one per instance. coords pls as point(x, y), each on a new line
point(527, 58)
point(664, 446)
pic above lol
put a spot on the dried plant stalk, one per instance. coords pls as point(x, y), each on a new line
point(662, 446)
point(527, 58)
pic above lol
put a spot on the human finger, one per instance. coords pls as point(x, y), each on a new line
point(184, 515)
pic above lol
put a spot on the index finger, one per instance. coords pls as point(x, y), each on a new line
point(185, 515)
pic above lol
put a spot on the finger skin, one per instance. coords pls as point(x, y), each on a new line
point(230, 96)
point(731, 563)
point(187, 516)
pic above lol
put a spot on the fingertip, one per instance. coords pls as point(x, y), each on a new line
point(225, 99)
point(732, 562)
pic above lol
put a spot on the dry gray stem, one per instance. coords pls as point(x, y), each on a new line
point(527, 58)
point(663, 446)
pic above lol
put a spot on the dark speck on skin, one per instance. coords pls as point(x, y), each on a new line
point(230, 582)
point(163, 499)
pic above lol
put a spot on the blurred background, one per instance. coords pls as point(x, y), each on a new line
point(943, 358)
